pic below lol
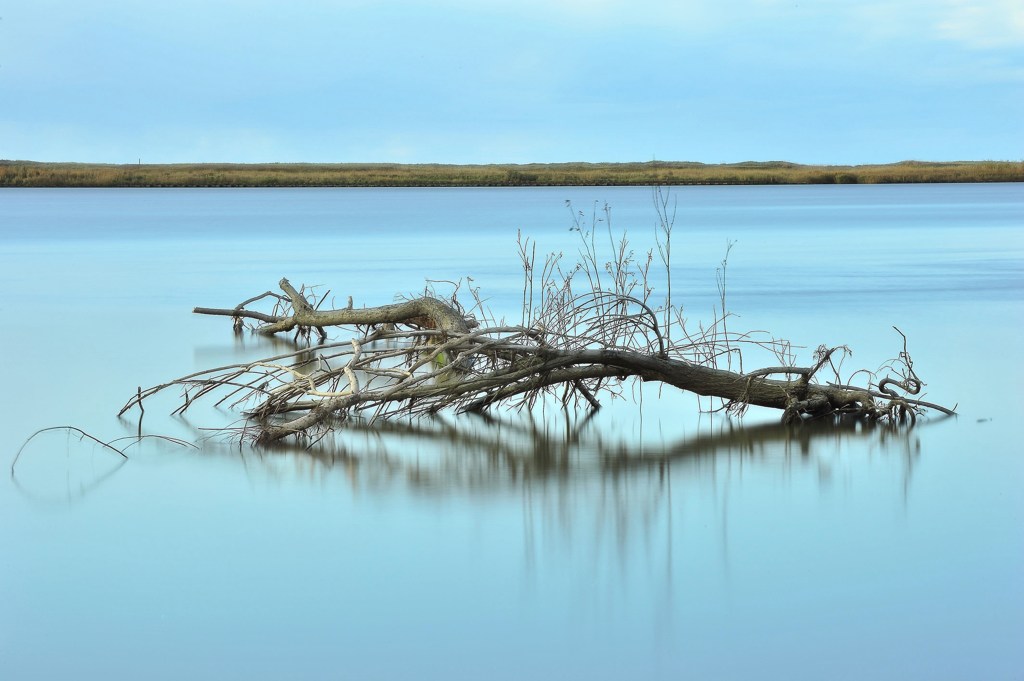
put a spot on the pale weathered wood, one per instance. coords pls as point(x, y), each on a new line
point(446, 361)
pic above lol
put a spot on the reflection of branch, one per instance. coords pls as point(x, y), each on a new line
point(83, 492)
point(84, 436)
point(577, 485)
point(508, 452)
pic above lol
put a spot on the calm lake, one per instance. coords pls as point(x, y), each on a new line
point(654, 542)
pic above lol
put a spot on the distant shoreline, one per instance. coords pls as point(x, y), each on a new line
point(35, 174)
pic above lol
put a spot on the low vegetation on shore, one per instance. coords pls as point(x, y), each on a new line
point(33, 174)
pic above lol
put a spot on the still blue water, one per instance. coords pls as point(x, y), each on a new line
point(654, 542)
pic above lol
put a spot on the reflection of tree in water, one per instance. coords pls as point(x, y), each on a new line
point(486, 455)
point(599, 510)
point(608, 516)
point(583, 489)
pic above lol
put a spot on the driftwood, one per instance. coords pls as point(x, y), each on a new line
point(425, 355)
point(587, 332)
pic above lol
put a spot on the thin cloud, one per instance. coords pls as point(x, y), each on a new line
point(524, 80)
point(983, 25)
point(977, 24)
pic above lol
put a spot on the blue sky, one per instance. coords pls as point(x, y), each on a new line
point(478, 81)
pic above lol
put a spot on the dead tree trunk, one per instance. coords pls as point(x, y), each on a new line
point(426, 354)
point(427, 313)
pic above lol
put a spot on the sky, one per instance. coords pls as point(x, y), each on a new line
point(511, 81)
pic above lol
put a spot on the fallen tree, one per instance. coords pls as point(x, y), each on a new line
point(587, 331)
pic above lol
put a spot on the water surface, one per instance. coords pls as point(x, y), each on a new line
point(652, 542)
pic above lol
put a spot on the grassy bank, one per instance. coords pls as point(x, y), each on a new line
point(31, 174)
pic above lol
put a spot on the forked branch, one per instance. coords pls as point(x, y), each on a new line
point(424, 355)
point(588, 328)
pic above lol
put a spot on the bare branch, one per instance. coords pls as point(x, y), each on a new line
point(587, 329)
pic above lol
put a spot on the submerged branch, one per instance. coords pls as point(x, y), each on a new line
point(440, 361)
point(587, 329)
